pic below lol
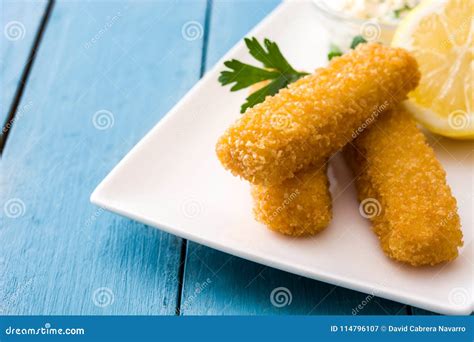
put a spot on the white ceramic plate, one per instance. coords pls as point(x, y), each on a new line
point(172, 180)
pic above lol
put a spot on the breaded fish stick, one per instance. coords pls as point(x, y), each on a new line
point(415, 216)
point(315, 116)
point(300, 206)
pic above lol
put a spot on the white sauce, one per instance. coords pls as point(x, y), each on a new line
point(388, 11)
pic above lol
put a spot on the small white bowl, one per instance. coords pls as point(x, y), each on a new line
point(342, 28)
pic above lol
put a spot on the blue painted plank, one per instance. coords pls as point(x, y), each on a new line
point(219, 284)
point(421, 312)
point(216, 283)
point(20, 20)
point(230, 21)
point(105, 73)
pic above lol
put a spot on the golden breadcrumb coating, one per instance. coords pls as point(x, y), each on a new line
point(300, 206)
point(413, 211)
point(315, 116)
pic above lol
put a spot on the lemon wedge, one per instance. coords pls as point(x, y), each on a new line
point(439, 33)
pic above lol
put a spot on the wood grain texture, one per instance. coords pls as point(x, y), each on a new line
point(105, 73)
point(20, 20)
point(219, 284)
point(216, 283)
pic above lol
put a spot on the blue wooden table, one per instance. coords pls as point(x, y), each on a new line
point(61, 63)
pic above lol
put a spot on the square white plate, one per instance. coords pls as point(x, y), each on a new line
point(172, 180)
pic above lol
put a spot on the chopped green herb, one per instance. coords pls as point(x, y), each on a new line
point(334, 51)
point(399, 11)
point(356, 41)
point(276, 69)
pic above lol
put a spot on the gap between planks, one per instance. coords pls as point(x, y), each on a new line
point(10, 120)
point(184, 243)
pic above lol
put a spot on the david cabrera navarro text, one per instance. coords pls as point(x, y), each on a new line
point(423, 329)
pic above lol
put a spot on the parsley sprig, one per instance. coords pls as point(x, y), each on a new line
point(276, 70)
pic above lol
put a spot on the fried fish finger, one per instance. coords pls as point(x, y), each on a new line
point(300, 206)
point(312, 118)
point(396, 170)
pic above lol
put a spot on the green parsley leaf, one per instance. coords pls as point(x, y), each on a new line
point(276, 69)
point(356, 41)
point(244, 75)
point(334, 51)
point(272, 58)
point(259, 96)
